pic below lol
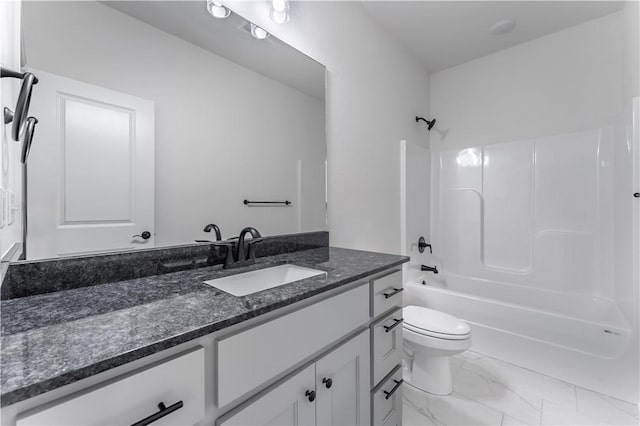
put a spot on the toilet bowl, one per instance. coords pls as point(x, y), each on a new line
point(430, 339)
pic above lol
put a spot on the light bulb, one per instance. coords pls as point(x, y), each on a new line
point(279, 5)
point(279, 12)
point(258, 32)
point(217, 9)
point(279, 17)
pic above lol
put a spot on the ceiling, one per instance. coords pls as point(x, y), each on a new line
point(190, 21)
point(442, 34)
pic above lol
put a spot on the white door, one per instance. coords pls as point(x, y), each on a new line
point(90, 171)
point(343, 383)
point(288, 404)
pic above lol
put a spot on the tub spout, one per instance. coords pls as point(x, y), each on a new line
point(433, 269)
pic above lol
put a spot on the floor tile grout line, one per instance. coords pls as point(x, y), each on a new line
point(500, 361)
point(554, 379)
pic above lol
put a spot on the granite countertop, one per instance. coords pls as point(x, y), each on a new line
point(50, 340)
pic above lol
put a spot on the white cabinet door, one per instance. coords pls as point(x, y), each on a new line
point(343, 383)
point(287, 404)
point(90, 170)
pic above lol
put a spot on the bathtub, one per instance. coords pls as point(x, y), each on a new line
point(572, 337)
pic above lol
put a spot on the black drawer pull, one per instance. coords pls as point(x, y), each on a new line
point(393, 293)
point(388, 394)
point(164, 411)
point(388, 328)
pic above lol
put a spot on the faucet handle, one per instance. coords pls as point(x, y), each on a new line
point(251, 255)
point(422, 244)
point(228, 259)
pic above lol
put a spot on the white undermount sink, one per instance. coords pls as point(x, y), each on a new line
point(263, 279)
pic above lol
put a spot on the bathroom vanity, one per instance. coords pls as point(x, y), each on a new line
point(143, 335)
point(170, 349)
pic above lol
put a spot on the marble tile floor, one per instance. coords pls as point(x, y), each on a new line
point(487, 391)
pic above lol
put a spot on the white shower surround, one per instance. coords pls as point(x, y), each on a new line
point(533, 240)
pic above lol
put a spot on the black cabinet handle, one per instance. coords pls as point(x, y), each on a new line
point(164, 411)
point(636, 194)
point(311, 395)
point(393, 293)
point(393, 390)
point(396, 322)
point(327, 383)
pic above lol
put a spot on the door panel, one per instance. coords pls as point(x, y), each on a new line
point(284, 405)
point(91, 170)
point(96, 185)
point(346, 400)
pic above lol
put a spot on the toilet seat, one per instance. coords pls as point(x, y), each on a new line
point(429, 322)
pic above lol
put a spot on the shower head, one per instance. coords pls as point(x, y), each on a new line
point(430, 123)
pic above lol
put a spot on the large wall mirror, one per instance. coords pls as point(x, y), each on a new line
point(154, 116)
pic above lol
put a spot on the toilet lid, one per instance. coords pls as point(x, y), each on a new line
point(434, 322)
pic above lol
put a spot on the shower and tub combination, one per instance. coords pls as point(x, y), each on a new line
point(535, 242)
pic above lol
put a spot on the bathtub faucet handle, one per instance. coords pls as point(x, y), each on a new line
point(433, 269)
point(422, 244)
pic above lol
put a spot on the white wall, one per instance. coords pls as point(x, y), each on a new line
point(223, 132)
point(10, 170)
point(631, 32)
point(561, 83)
point(375, 89)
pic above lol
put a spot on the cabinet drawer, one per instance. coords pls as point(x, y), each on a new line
point(252, 357)
point(386, 345)
point(128, 400)
point(386, 292)
point(386, 401)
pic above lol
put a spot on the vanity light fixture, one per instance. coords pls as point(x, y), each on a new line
point(258, 32)
point(217, 9)
point(279, 11)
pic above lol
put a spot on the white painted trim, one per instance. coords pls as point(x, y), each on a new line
point(403, 197)
point(403, 203)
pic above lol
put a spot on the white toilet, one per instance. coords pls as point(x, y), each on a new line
point(430, 339)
